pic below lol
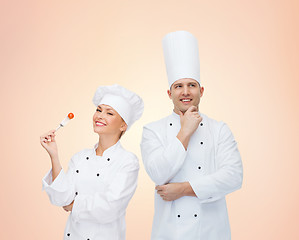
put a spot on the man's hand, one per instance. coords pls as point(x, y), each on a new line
point(189, 123)
point(68, 208)
point(174, 191)
point(190, 120)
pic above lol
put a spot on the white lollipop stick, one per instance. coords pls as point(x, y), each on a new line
point(65, 121)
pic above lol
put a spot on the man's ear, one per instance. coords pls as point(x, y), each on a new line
point(169, 93)
point(201, 91)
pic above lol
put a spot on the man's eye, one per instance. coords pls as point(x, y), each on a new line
point(192, 85)
point(177, 86)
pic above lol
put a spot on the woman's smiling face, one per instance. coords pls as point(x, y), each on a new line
point(107, 121)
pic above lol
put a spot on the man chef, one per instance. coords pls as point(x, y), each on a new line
point(193, 159)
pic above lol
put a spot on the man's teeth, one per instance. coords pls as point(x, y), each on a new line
point(186, 100)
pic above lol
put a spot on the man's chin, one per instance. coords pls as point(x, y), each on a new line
point(183, 109)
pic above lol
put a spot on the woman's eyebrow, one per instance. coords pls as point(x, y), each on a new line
point(108, 109)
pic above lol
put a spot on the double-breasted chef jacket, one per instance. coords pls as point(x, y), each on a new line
point(101, 187)
point(212, 165)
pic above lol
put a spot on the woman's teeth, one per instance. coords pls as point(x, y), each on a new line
point(100, 124)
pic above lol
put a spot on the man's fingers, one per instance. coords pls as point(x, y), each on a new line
point(192, 109)
point(159, 187)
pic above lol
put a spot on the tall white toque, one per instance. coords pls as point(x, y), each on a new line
point(181, 56)
point(127, 103)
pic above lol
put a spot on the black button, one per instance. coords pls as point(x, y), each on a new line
point(68, 234)
point(199, 167)
point(76, 193)
point(170, 124)
point(87, 158)
point(201, 143)
point(195, 215)
point(98, 174)
point(108, 159)
point(201, 124)
point(77, 171)
point(179, 215)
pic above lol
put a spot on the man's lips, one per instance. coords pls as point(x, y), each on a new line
point(185, 100)
point(100, 124)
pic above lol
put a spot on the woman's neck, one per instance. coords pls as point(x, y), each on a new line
point(105, 142)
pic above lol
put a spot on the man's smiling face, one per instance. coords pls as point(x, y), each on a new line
point(184, 93)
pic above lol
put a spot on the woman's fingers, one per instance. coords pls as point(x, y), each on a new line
point(48, 137)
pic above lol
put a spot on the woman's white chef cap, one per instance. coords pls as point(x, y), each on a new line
point(128, 104)
point(181, 56)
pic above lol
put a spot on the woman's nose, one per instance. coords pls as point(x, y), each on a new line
point(99, 115)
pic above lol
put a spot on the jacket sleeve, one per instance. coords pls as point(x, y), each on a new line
point(228, 177)
point(108, 205)
point(161, 162)
point(60, 191)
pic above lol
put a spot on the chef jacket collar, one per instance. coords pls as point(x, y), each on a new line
point(109, 151)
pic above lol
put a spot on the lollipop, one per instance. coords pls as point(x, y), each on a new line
point(65, 121)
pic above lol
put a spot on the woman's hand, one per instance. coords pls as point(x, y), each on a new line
point(47, 140)
point(68, 208)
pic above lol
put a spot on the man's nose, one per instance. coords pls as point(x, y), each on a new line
point(185, 90)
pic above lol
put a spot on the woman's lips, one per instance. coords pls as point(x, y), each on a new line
point(100, 124)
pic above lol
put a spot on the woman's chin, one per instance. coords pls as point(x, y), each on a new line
point(99, 130)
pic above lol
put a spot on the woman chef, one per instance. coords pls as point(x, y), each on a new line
point(100, 181)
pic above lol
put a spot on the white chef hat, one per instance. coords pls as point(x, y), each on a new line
point(128, 104)
point(181, 56)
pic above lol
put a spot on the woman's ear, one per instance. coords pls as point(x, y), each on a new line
point(123, 127)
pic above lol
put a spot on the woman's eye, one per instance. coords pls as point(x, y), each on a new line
point(110, 114)
point(99, 110)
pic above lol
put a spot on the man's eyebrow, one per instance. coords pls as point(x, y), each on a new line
point(193, 83)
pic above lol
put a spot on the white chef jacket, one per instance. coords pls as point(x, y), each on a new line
point(212, 165)
point(101, 187)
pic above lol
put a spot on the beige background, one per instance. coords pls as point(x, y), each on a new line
point(54, 54)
